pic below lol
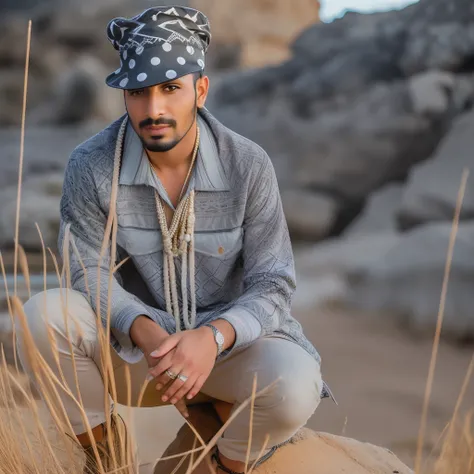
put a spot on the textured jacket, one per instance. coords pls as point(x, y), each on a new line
point(244, 261)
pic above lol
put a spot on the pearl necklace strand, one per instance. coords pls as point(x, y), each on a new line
point(178, 241)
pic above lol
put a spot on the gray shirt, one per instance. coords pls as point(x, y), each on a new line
point(244, 261)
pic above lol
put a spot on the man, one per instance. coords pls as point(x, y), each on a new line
point(203, 302)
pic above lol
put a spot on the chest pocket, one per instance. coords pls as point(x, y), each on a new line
point(140, 241)
point(221, 244)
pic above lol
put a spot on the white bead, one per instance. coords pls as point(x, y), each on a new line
point(187, 238)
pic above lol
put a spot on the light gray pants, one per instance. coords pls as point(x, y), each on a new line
point(280, 412)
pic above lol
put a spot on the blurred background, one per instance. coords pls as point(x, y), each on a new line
point(365, 108)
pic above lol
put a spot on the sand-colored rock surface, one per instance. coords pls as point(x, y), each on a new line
point(307, 453)
point(264, 29)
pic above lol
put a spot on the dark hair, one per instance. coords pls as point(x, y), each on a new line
point(197, 75)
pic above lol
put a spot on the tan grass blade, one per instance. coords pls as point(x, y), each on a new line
point(429, 383)
point(10, 314)
point(252, 406)
point(24, 268)
point(22, 153)
point(260, 454)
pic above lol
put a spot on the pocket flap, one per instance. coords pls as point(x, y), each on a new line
point(219, 244)
point(140, 241)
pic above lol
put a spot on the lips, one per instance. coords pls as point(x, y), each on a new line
point(157, 128)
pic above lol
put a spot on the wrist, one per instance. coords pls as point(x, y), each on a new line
point(227, 331)
point(147, 334)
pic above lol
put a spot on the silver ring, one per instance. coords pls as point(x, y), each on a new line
point(182, 377)
point(171, 375)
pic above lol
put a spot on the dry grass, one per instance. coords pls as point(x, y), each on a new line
point(29, 443)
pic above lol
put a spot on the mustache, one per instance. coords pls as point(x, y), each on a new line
point(161, 121)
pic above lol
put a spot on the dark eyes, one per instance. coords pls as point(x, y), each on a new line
point(168, 88)
point(171, 88)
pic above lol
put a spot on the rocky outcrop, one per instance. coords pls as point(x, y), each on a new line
point(432, 188)
point(361, 101)
point(47, 151)
point(406, 281)
point(255, 33)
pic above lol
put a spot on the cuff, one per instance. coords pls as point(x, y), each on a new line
point(124, 319)
point(247, 327)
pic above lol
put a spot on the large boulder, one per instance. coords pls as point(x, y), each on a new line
point(406, 281)
point(257, 31)
point(433, 186)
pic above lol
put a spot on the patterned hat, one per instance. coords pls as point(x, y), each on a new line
point(158, 45)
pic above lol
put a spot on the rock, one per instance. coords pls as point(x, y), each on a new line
point(344, 255)
point(347, 113)
point(322, 269)
point(439, 35)
point(309, 215)
point(379, 214)
point(406, 281)
point(432, 188)
point(307, 451)
point(39, 204)
point(430, 92)
point(81, 95)
point(47, 149)
point(240, 23)
point(344, 148)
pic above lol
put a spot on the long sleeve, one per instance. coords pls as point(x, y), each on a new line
point(268, 266)
point(81, 210)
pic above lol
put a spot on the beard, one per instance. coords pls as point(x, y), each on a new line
point(157, 146)
point(157, 143)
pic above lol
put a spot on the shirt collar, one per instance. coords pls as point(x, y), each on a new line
point(209, 171)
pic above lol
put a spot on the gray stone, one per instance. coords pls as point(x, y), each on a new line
point(406, 281)
point(322, 269)
point(39, 204)
point(432, 188)
point(81, 95)
point(47, 149)
point(379, 214)
point(309, 215)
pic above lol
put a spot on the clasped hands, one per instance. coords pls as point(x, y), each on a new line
point(181, 364)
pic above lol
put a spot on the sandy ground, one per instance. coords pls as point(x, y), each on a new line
point(378, 375)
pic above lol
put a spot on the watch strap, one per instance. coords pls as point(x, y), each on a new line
point(218, 337)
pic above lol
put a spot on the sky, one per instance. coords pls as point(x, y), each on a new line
point(333, 8)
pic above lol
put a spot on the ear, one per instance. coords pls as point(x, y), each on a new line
point(202, 89)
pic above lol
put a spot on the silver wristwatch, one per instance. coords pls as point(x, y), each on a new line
point(218, 337)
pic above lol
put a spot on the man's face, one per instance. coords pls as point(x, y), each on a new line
point(162, 115)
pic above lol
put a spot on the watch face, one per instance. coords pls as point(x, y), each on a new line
point(219, 338)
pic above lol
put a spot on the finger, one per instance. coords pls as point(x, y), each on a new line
point(166, 379)
point(182, 408)
point(172, 389)
point(168, 344)
point(197, 387)
point(162, 366)
point(180, 393)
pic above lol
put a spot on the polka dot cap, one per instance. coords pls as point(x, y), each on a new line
point(159, 45)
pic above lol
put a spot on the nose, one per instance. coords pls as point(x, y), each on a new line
point(156, 103)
